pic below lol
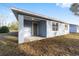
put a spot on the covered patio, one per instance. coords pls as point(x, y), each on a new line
point(34, 28)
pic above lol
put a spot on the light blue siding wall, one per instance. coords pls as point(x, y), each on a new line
point(42, 28)
point(73, 28)
point(28, 28)
point(61, 29)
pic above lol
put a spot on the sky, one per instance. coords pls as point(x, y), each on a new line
point(60, 11)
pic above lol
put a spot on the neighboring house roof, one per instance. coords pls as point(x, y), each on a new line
point(74, 24)
point(25, 12)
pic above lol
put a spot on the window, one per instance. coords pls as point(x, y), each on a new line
point(55, 26)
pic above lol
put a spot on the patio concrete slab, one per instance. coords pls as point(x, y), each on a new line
point(33, 38)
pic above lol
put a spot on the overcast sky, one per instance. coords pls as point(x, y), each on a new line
point(56, 10)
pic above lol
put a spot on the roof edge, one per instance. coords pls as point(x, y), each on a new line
point(35, 14)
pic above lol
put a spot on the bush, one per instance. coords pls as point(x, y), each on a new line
point(4, 29)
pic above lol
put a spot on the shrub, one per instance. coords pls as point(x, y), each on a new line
point(4, 29)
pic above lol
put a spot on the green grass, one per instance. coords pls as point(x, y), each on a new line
point(57, 46)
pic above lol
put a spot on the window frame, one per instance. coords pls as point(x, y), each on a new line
point(55, 26)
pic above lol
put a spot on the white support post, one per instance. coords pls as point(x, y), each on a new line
point(21, 27)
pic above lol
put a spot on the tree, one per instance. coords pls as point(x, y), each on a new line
point(75, 8)
point(3, 20)
point(13, 26)
point(4, 29)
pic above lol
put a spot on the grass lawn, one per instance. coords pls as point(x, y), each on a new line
point(60, 45)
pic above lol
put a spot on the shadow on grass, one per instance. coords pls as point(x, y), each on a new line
point(13, 34)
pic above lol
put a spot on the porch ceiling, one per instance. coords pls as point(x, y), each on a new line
point(33, 18)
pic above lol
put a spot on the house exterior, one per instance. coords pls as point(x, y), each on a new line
point(73, 28)
point(32, 24)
